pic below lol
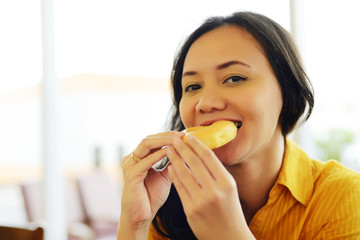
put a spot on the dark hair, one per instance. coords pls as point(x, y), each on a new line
point(282, 54)
point(296, 88)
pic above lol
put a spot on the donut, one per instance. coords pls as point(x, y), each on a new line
point(214, 135)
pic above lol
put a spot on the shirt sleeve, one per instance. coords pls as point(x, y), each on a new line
point(345, 220)
point(154, 235)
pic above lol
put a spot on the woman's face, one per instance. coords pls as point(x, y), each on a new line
point(226, 76)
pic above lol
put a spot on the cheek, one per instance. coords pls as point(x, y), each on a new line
point(263, 107)
point(275, 102)
point(185, 112)
point(270, 107)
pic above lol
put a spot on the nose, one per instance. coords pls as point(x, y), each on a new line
point(210, 100)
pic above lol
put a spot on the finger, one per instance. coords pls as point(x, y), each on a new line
point(164, 173)
point(183, 193)
point(154, 142)
point(146, 163)
point(183, 173)
point(152, 158)
point(125, 161)
point(194, 162)
point(211, 161)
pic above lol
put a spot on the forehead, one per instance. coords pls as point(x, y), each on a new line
point(223, 44)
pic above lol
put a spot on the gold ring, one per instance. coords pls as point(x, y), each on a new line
point(135, 157)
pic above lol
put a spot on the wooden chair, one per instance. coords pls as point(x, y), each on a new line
point(21, 233)
point(101, 198)
point(77, 228)
point(33, 202)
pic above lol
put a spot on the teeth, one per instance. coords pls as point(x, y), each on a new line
point(238, 124)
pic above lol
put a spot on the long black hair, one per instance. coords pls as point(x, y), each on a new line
point(296, 88)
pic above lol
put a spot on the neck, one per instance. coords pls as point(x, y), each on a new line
point(257, 175)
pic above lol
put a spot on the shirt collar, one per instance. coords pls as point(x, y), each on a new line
point(297, 173)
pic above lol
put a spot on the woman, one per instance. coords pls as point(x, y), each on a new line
point(243, 68)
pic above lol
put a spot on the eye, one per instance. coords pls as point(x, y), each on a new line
point(192, 87)
point(235, 79)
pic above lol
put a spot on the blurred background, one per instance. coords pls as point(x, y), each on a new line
point(112, 65)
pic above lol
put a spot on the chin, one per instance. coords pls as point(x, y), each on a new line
point(231, 153)
point(227, 154)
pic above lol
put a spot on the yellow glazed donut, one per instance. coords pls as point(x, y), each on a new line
point(215, 135)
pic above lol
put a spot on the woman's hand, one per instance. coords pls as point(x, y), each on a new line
point(207, 191)
point(145, 190)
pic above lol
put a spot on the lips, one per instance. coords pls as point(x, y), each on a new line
point(238, 124)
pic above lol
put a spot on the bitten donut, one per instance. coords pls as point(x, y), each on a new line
point(215, 135)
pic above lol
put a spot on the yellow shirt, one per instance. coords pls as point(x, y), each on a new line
point(310, 200)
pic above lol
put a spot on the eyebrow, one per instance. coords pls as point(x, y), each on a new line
point(230, 63)
point(220, 67)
